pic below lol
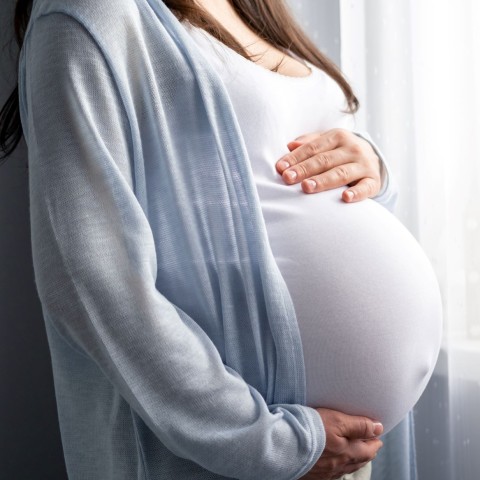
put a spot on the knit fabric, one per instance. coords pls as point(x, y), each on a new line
point(174, 343)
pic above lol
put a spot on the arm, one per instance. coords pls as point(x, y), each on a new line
point(95, 268)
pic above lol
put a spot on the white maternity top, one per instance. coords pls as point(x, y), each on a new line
point(366, 297)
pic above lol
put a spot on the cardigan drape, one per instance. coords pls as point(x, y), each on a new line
point(174, 343)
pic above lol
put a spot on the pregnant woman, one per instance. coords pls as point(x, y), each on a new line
point(357, 277)
point(209, 314)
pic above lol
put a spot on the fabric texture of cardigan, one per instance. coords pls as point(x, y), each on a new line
point(174, 343)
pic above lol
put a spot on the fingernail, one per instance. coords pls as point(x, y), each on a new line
point(377, 428)
point(291, 175)
point(349, 194)
point(311, 183)
point(283, 164)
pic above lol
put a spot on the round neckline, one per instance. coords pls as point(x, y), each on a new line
point(232, 52)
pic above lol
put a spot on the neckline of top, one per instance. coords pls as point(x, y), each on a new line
point(256, 65)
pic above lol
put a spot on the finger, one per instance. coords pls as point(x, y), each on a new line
point(302, 139)
point(356, 457)
point(351, 468)
point(296, 143)
point(322, 142)
point(363, 451)
point(357, 427)
point(335, 177)
point(340, 133)
point(365, 188)
point(318, 163)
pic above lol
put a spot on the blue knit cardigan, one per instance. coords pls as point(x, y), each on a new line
point(175, 349)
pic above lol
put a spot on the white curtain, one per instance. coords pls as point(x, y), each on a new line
point(415, 66)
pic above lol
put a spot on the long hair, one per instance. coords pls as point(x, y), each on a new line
point(271, 20)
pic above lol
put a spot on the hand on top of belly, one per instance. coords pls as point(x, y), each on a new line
point(337, 157)
point(351, 442)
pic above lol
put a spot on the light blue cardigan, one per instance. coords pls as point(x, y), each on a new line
point(174, 344)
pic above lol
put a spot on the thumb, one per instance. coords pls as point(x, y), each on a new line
point(362, 428)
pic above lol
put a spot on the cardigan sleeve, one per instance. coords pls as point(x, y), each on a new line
point(95, 268)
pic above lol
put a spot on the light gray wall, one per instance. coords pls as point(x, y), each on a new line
point(321, 21)
point(30, 442)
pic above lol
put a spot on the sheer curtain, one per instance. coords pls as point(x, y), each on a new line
point(415, 66)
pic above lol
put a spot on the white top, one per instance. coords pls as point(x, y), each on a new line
point(365, 294)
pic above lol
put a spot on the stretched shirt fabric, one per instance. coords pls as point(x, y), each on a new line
point(174, 343)
point(364, 292)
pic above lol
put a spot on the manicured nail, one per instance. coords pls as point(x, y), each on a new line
point(349, 194)
point(283, 164)
point(311, 184)
point(377, 428)
point(291, 174)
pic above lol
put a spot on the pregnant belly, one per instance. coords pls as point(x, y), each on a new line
point(367, 301)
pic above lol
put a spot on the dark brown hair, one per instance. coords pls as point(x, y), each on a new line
point(271, 20)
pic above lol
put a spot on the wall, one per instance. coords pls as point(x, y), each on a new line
point(321, 21)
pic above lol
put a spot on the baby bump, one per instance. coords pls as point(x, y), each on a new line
point(367, 301)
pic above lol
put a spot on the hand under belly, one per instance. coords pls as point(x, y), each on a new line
point(367, 300)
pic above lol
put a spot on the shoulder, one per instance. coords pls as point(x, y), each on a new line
point(105, 20)
point(74, 29)
point(73, 45)
point(91, 11)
